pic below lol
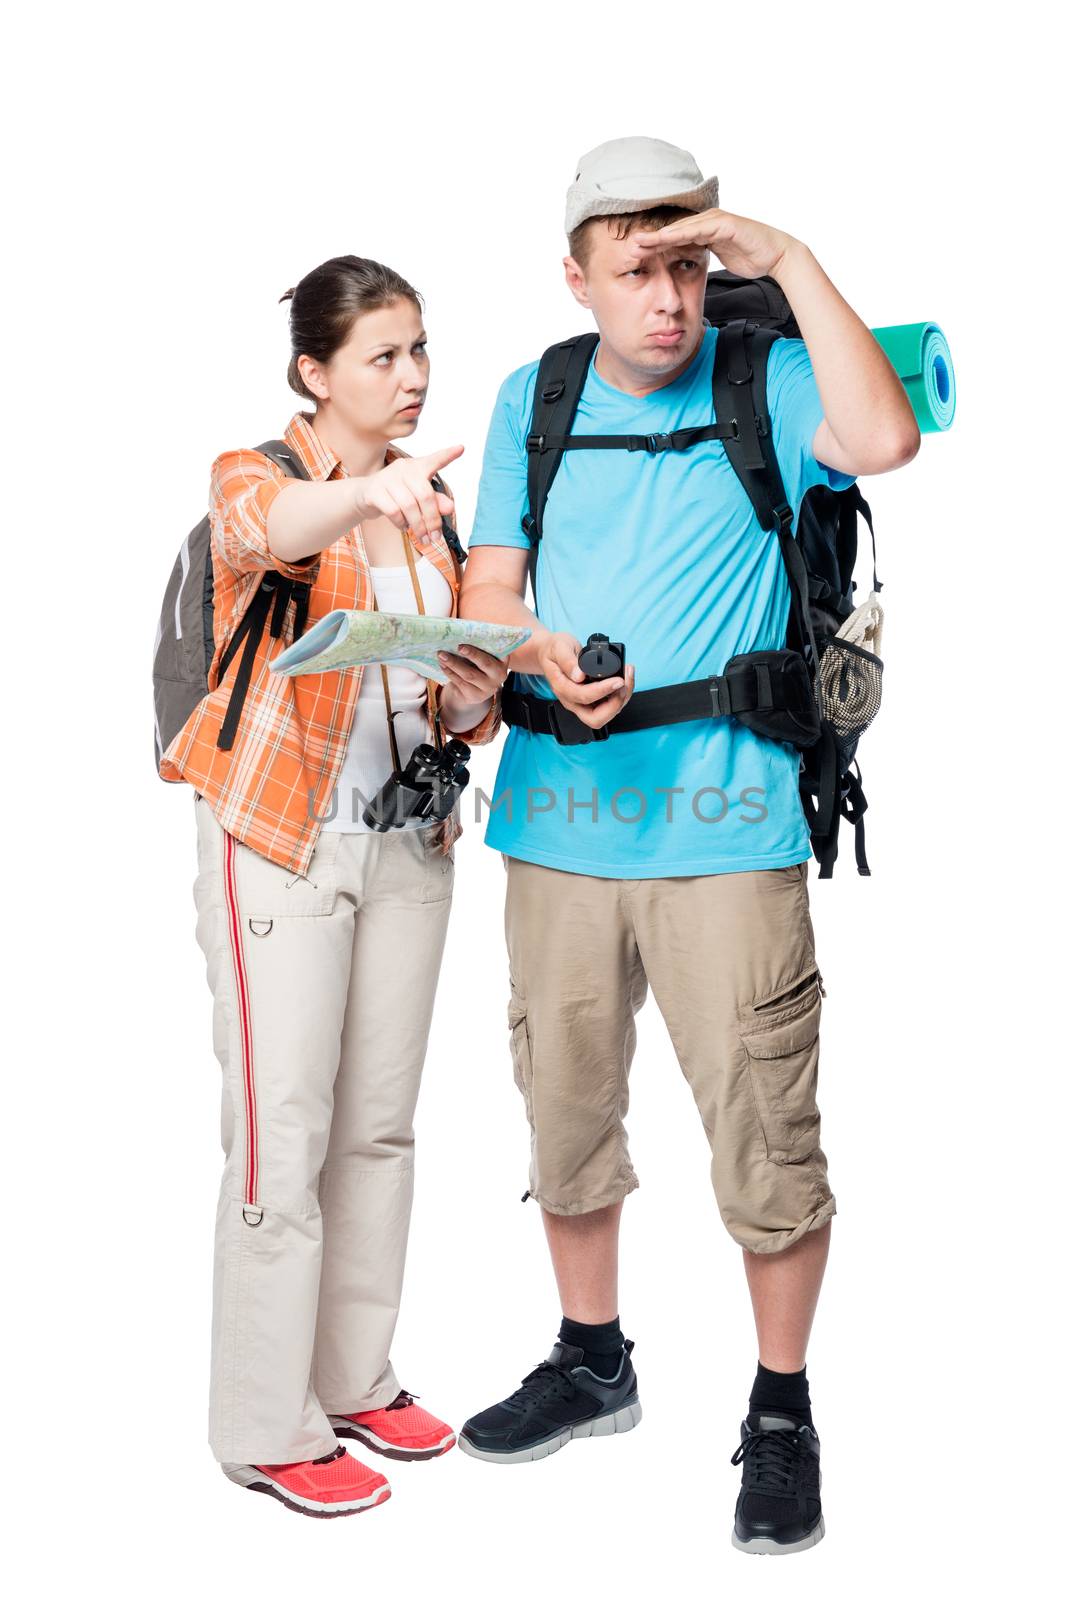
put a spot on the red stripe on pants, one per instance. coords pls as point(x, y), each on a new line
point(245, 1014)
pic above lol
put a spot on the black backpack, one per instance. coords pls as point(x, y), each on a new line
point(824, 707)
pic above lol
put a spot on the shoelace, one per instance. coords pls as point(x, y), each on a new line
point(402, 1400)
point(546, 1380)
point(775, 1462)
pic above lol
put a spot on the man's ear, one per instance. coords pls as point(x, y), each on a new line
point(575, 279)
point(314, 377)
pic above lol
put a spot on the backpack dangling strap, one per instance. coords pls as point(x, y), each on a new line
point(865, 510)
point(854, 805)
point(283, 593)
point(839, 796)
point(250, 628)
point(301, 601)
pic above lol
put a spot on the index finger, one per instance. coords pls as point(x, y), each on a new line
point(479, 658)
point(680, 232)
point(441, 458)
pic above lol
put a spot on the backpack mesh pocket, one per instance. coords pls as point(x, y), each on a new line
point(850, 688)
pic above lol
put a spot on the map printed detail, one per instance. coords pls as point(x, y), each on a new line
point(365, 638)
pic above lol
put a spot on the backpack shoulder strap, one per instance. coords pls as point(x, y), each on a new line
point(557, 387)
point(740, 384)
point(283, 456)
point(448, 527)
point(740, 394)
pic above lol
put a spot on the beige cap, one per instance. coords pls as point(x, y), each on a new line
point(633, 175)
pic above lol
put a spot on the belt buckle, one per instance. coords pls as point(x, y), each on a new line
point(719, 694)
point(571, 730)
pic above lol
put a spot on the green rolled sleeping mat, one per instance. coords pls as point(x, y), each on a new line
point(919, 354)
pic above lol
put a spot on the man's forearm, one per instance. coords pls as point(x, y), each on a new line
point(864, 401)
point(496, 602)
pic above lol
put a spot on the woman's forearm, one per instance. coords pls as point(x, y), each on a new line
point(307, 517)
point(496, 602)
point(461, 718)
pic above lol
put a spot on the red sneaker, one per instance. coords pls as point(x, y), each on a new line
point(401, 1430)
point(336, 1485)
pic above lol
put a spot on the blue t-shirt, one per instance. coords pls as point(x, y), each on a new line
point(664, 553)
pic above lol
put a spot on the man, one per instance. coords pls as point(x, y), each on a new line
point(622, 871)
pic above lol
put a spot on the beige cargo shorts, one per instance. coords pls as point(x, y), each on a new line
point(731, 961)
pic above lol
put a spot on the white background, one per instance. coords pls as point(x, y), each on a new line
point(169, 174)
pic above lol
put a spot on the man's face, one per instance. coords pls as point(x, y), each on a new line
point(650, 312)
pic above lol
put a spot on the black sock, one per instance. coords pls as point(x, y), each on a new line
point(600, 1342)
point(784, 1393)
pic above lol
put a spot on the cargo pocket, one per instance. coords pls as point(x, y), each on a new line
point(781, 1035)
point(522, 1060)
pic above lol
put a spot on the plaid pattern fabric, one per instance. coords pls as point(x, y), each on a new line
point(274, 786)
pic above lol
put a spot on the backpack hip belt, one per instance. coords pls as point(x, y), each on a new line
point(768, 691)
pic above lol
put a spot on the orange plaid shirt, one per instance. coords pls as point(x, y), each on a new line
point(272, 789)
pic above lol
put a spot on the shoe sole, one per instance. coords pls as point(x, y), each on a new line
point(250, 1478)
point(772, 1547)
point(353, 1430)
point(621, 1421)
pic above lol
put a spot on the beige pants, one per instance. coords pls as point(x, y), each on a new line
point(323, 988)
point(732, 964)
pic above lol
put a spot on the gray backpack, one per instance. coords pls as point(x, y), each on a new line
point(185, 637)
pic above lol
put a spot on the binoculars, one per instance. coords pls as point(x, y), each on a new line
point(429, 786)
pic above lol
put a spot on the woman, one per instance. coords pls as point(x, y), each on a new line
point(323, 938)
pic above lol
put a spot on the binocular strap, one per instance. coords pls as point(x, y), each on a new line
point(431, 686)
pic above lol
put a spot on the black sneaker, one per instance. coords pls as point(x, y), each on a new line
point(559, 1401)
point(778, 1510)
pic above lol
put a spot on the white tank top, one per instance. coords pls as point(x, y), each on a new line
point(368, 762)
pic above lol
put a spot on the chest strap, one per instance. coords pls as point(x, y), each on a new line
point(654, 443)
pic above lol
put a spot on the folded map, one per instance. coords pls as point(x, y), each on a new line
point(365, 638)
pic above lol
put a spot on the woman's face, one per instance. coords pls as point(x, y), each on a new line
point(376, 383)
